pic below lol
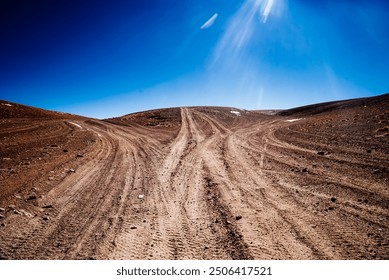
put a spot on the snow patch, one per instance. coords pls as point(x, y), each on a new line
point(6, 104)
point(75, 124)
point(293, 120)
point(235, 112)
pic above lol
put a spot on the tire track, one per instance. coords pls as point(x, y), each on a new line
point(219, 186)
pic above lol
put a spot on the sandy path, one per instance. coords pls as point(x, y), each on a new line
point(213, 192)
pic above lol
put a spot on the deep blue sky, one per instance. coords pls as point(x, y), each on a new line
point(109, 58)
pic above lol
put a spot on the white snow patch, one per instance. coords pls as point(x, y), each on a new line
point(76, 124)
point(294, 120)
point(235, 112)
point(6, 104)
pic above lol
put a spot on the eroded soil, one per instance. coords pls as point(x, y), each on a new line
point(196, 183)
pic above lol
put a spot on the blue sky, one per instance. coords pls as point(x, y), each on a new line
point(110, 58)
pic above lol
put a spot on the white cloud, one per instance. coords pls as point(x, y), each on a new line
point(209, 22)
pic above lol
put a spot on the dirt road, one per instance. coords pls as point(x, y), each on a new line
point(202, 183)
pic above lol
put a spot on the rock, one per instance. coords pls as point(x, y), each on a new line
point(333, 199)
point(71, 170)
point(47, 206)
point(51, 178)
point(141, 196)
point(238, 217)
point(330, 208)
point(32, 197)
point(209, 182)
point(25, 213)
point(133, 227)
point(11, 207)
point(2, 210)
point(65, 150)
point(321, 153)
point(216, 221)
point(376, 171)
point(3, 224)
point(45, 218)
point(79, 156)
point(305, 170)
point(1, 216)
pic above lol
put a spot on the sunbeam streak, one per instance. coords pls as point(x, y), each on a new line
point(267, 10)
point(242, 26)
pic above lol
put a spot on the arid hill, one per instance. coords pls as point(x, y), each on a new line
point(197, 183)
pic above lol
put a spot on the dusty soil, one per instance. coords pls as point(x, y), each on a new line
point(197, 183)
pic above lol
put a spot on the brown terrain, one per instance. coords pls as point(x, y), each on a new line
point(197, 183)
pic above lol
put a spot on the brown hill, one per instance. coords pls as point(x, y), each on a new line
point(380, 102)
point(197, 183)
point(14, 110)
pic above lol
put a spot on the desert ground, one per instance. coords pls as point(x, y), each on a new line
point(197, 183)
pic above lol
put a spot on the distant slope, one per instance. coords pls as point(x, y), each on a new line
point(151, 118)
point(14, 110)
point(171, 117)
point(380, 101)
